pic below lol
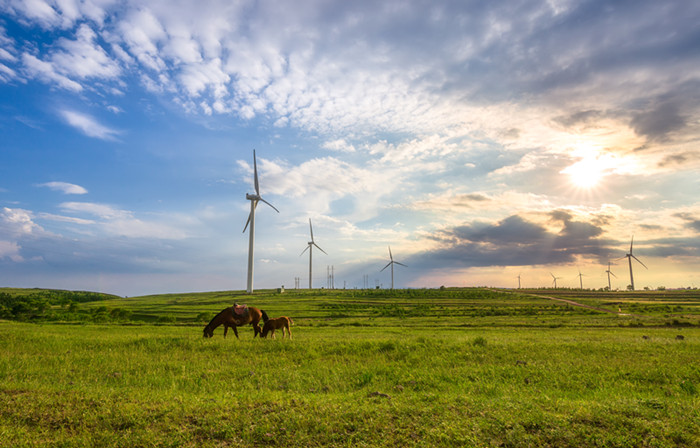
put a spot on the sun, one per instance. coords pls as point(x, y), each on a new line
point(585, 173)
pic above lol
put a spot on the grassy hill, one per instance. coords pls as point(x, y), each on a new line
point(444, 307)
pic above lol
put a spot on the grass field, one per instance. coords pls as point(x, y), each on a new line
point(365, 368)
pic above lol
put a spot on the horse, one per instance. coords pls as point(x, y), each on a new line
point(275, 324)
point(229, 318)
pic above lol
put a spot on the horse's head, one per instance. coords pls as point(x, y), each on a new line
point(208, 333)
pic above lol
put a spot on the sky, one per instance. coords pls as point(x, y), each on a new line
point(480, 141)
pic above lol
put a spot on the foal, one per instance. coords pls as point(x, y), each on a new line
point(275, 324)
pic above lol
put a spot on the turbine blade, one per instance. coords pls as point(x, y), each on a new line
point(390, 256)
point(396, 262)
point(640, 261)
point(273, 207)
point(302, 252)
point(319, 248)
point(612, 274)
point(246, 223)
point(388, 264)
point(311, 230)
point(255, 175)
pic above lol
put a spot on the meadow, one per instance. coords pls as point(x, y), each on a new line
point(449, 367)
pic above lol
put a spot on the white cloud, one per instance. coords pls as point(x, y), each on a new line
point(339, 145)
point(10, 249)
point(18, 222)
point(47, 73)
point(83, 58)
point(123, 222)
point(88, 125)
point(65, 187)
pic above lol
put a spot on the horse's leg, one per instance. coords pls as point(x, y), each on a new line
point(289, 331)
point(256, 329)
point(235, 331)
point(225, 330)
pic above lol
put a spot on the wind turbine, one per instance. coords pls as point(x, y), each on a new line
point(609, 272)
point(392, 263)
point(518, 281)
point(629, 257)
point(253, 198)
point(555, 280)
point(310, 247)
point(580, 278)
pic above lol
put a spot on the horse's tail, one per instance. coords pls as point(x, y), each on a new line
point(265, 316)
point(291, 322)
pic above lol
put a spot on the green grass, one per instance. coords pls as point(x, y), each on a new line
point(482, 369)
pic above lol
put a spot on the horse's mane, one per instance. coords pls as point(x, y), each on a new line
point(216, 317)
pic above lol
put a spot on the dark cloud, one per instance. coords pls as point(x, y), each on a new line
point(679, 159)
point(692, 222)
point(659, 121)
point(586, 117)
point(515, 241)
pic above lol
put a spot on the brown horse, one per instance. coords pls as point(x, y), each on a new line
point(275, 324)
point(228, 318)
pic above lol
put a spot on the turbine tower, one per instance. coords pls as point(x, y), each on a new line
point(609, 272)
point(555, 280)
point(253, 198)
point(629, 257)
point(518, 281)
point(392, 263)
point(580, 278)
point(310, 247)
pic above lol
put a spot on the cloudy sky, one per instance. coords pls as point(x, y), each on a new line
point(482, 141)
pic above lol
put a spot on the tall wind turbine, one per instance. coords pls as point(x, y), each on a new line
point(629, 257)
point(580, 278)
point(518, 281)
point(555, 280)
point(310, 248)
point(392, 263)
point(609, 272)
point(253, 198)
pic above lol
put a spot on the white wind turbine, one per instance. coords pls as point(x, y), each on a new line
point(518, 281)
point(629, 257)
point(253, 198)
point(392, 263)
point(580, 278)
point(310, 248)
point(555, 280)
point(609, 272)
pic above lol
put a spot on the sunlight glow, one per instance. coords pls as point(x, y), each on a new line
point(591, 169)
point(585, 173)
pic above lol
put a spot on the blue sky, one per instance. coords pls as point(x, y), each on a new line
point(480, 140)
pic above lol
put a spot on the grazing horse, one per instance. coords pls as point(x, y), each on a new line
point(275, 324)
point(229, 318)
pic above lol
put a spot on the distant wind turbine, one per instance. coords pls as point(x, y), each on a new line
point(609, 272)
point(580, 278)
point(629, 257)
point(518, 281)
point(253, 198)
point(555, 280)
point(392, 263)
point(310, 248)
